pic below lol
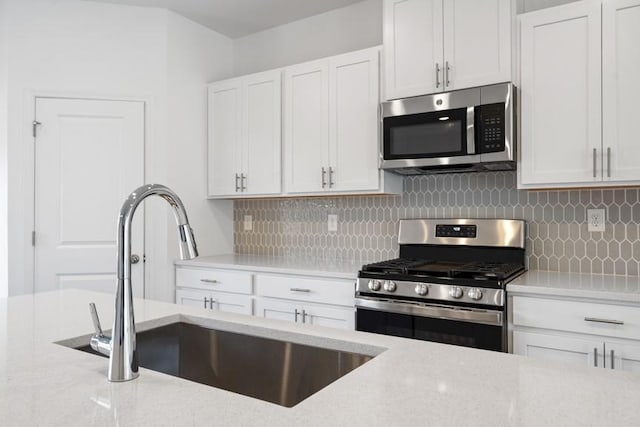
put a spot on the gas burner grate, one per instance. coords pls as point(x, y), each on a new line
point(396, 265)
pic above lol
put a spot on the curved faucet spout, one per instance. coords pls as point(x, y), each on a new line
point(123, 359)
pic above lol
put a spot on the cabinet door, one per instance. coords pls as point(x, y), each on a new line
point(262, 137)
point(333, 317)
point(625, 357)
point(553, 347)
point(560, 95)
point(230, 303)
point(277, 309)
point(477, 43)
point(412, 47)
point(224, 147)
point(193, 298)
point(621, 89)
point(353, 121)
point(306, 126)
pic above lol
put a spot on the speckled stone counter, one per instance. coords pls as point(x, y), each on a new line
point(411, 383)
point(590, 286)
point(270, 264)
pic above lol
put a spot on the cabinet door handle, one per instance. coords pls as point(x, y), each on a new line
point(608, 162)
point(211, 302)
point(331, 177)
point(209, 280)
point(609, 321)
point(300, 290)
point(304, 316)
point(595, 357)
point(437, 75)
point(243, 179)
point(595, 154)
point(324, 173)
point(206, 300)
point(237, 183)
point(613, 359)
point(446, 74)
point(296, 313)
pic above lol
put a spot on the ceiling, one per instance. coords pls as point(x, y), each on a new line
point(238, 18)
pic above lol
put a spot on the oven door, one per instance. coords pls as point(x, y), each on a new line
point(477, 328)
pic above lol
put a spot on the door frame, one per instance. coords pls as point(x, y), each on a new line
point(27, 175)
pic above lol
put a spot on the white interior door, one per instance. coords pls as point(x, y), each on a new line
point(89, 155)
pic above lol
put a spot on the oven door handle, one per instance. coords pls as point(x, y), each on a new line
point(485, 317)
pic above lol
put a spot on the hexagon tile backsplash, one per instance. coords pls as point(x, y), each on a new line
point(558, 239)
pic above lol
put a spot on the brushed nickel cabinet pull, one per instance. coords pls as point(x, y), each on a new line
point(608, 321)
point(437, 75)
point(595, 357)
point(300, 290)
point(595, 154)
point(608, 162)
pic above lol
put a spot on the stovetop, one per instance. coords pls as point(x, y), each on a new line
point(418, 268)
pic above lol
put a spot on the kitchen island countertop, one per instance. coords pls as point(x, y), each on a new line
point(410, 383)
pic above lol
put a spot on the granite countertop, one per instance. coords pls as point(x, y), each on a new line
point(410, 383)
point(271, 264)
point(592, 286)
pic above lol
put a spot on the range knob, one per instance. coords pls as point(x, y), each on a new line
point(475, 294)
point(421, 289)
point(389, 286)
point(374, 285)
point(455, 292)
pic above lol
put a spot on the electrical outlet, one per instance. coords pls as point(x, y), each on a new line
point(332, 222)
point(248, 223)
point(596, 219)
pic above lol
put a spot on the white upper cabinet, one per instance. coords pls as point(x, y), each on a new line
point(560, 95)
point(262, 139)
point(621, 89)
point(412, 47)
point(437, 45)
point(477, 42)
point(245, 136)
point(224, 137)
point(579, 97)
point(331, 126)
point(353, 121)
point(307, 127)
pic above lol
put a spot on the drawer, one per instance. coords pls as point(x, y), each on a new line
point(337, 292)
point(577, 316)
point(215, 280)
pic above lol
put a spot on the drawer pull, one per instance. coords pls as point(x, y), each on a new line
point(609, 321)
point(209, 280)
point(300, 290)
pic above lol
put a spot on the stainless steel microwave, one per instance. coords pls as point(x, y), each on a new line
point(459, 131)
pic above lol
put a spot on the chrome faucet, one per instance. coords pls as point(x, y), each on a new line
point(121, 347)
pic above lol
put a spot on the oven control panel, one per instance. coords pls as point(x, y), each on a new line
point(459, 231)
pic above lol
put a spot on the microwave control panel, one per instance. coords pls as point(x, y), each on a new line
point(490, 128)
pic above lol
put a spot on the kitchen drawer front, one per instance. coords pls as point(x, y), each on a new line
point(238, 282)
point(576, 316)
point(336, 292)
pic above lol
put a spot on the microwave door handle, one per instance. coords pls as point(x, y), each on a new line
point(471, 137)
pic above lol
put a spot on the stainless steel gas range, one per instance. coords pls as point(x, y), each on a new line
point(448, 285)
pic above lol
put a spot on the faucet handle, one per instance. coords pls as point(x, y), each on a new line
point(96, 319)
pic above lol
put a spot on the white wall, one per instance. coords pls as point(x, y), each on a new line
point(77, 48)
point(4, 284)
point(196, 56)
point(354, 27)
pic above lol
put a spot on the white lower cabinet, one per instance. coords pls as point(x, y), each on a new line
point(301, 299)
point(219, 301)
point(591, 333)
point(312, 314)
point(588, 352)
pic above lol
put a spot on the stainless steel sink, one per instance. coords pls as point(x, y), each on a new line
point(275, 371)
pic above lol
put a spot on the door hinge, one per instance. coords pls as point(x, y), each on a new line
point(33, 238)
point(34, 127)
